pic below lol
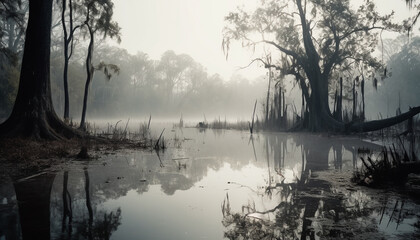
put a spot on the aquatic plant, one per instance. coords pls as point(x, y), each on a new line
point(392, 165)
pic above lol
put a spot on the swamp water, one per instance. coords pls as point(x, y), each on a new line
point(210, 184)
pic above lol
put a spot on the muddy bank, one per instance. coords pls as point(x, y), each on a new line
point(25, 157)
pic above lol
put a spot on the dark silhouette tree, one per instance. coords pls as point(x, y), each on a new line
point(315, 40)
point(33, 114)
point(98, 21)
point(68, 47)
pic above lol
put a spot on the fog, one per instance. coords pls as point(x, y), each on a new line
point(214, 119)
point(171, 64)
point(210, 85)
point(166, 87)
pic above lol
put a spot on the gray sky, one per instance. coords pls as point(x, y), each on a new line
point(195, 27)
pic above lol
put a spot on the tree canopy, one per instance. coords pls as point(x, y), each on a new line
point(316, 41)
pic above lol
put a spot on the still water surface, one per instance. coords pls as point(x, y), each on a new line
point(211, 184)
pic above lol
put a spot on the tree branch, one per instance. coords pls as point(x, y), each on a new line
point(266, 65)
point(284, 50)
point(366, 29)
point(71, 38)
point(330, 63)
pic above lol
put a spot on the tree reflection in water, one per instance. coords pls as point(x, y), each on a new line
point(288, 194)
point(102, 227)
point(96, 225)
point(33, 198)
point(307, 210)
point(66, 225)
point(310, 207)
point(33, 195)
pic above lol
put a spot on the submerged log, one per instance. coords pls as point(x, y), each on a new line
point(380, 124)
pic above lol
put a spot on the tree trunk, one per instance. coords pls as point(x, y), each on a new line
point(68, 43)
point(268, 97)
point(319, 111)
point(354, 101)
point(66, 62)
point(278, 109)
point(33, 114)
point(303, 108)
point(363, 97)
point(89, 72)
point(335, 103)
point(284, 111)
point(66, 86)
point(340, 102)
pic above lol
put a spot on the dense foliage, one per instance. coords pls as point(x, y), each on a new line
point(317, 42)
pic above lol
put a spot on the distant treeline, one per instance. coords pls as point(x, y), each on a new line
point(172, 85)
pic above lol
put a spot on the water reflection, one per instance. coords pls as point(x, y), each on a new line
point(305, 210)
point(265, 184)
point(84, 220)
point(66, 222)
point(33, 198)
point(314, 208)
point(9, 220)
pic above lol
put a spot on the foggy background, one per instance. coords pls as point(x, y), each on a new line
point(171, 64)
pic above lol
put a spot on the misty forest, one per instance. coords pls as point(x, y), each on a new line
point(192, 119)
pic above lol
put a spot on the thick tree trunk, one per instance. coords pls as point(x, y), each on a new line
point(319, 111)
point(321, 119)
point(33, 113)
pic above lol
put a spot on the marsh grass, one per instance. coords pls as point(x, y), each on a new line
point(390, 165)
point(240, 125)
